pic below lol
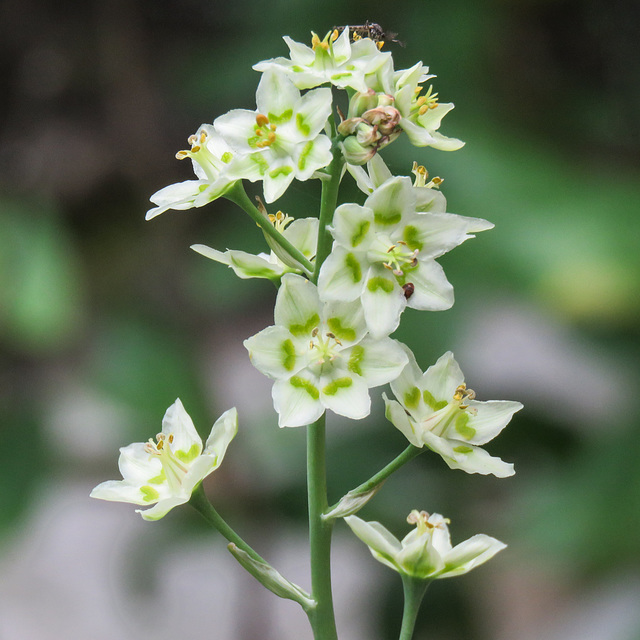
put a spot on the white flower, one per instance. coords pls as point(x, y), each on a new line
point(165, 472)
point(302, 233)
point(428, 196)
point(437, 410)
point(321, 356)
point(384, 253)
point(211, 157)
point(425, 553)
point(334, 59)
point(281, 140)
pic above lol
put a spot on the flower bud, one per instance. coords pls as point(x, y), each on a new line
point(356, 153)
point(361, 102)
point(386, 119)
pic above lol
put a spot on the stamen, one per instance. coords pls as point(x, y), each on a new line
point(261, 120)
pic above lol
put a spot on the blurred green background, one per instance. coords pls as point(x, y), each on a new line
point(105, 319)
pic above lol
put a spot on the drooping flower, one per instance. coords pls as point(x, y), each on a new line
point(425, 553)
point(384, 254)
point(436, 409)
point(164, 473)
point(211, 157)
point(333, 59)
point(302, 233)
point(321, 356)
point(282, 139)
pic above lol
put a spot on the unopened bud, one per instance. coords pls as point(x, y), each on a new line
point(356, 153)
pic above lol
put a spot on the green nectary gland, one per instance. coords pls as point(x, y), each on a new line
point(377, 282)
point(306, 328)
point(361, 233)
point(301, 383)
point(335, 385)
point(353, 266)
point(340, 332)
point(289, 355)
point(356, 357)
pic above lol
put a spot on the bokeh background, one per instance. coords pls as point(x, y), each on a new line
point(105, 319)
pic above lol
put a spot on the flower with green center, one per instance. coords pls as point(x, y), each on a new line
point(302, 233)
point(164, 473)
point(425, 553)
point(384, 254)
point(436, 409)
point(321, 356)
point(211, 157)
point(281, 140)
point(333, 59)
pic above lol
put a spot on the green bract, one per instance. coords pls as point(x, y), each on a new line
point(321, 356)
point(426, 552)
point(435, 409)
point(384, 254)
point(281, 140)
point(164, 473)
point(211, 157)
point(334, 59)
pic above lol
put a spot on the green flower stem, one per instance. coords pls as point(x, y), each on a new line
point(322, 617)
point(408, 454)
point(239, 196)
point(200, 503)
point(328, 202)
point(414, 591)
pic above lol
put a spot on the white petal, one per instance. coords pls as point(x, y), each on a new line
point(345, 320)
point(395, 413)
point(353, 227)
point(276, 95)
point(383, 301)
point(471, 553)
point(476, 460)
point(273, 352)
point(311, 156)
point(378, 170)
point(222, 433)
point(162, 507)
point(491, 418)
point(236, 127)
point(312, 112)
point(383, 545)
point(342, 275)
point(391, 202)
point(378, 361)
point(136, 465)
point(178, 196)
point(345, 394)
point(118, 491)
point(177, 422)
point(277, 179)
point(297, 400)
point(432, 291)
point(298, 307)
point(443, 378)
point(303, 234)
point(406, 388)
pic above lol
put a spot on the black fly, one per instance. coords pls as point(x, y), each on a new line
point(373, 31)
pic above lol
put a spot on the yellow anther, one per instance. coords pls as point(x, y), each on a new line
point(436, 182)
point(181, 155)
point(191, 139)
point(195, 149)
point(261, 120)
point(380, 44)
point(334, 35)
point(203, 137)
point(423, 109)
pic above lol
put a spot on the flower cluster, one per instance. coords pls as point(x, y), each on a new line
point(344, 278)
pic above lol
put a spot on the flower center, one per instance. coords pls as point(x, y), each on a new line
point(174, 469)
point(453, 414)
point(421, 520)
point(422, 104)
point(280, 220)
point(422, 176)
point(324, 348)
point(400, 257)
point(200, 153)
point(265, 132)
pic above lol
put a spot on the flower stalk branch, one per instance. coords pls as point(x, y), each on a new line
point(239, 196)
